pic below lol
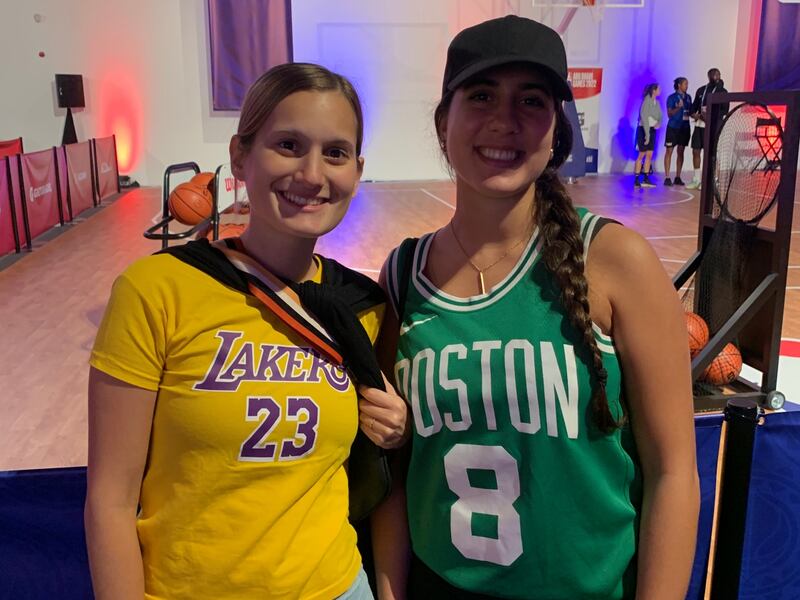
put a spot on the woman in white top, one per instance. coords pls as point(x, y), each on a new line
point(649, 120)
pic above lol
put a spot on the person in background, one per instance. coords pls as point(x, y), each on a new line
point(650, 116)
point(679, 106)
point(698, 114)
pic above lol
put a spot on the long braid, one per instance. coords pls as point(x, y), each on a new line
point(563, 255)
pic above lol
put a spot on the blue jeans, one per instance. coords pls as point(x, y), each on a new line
point(359, 590)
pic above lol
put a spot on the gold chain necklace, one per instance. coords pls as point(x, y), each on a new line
point(480, 271)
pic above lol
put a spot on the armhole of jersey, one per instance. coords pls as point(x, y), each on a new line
point(591, 224)
point(391, 280)
point(398, 274)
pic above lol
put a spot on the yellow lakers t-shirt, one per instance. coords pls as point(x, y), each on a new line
point(244, 492)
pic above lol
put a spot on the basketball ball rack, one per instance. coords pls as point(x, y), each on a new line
point(756, 324)
point(161, 231)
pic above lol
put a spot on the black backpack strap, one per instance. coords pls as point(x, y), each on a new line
point(398, 274)
point(591, 225)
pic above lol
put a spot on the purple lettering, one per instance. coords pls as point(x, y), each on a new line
point(317, 363)
point(295, 406)
point(255, 448)
point(292, 363)
point(211, 381)
point(270, 355)
point(337, 377)
point(334, 374)
point(242, 363)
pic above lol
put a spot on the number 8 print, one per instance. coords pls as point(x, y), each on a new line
point(499, 502)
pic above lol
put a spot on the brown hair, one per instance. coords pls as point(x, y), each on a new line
point(563, 254)
point(649, 89)
point(282, 81)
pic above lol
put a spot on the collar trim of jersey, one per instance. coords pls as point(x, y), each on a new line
point(441, 299)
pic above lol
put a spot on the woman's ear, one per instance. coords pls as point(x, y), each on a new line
point(238, 155)
point(360, 167)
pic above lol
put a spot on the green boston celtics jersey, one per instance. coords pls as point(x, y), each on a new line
point(512, 491)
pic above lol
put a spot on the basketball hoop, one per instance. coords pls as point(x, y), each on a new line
point(596, 8)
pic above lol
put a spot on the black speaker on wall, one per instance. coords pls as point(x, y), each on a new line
point(69, 90)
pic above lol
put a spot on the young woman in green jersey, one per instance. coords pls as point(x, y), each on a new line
point(536, 470)
point(218, 431)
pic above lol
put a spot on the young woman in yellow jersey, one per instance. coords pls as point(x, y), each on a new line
point(218, 434)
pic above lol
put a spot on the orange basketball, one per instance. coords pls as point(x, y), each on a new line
point(698, 333)
point(205, 179)
point(227, 230)
point(190, 203)
point(725, 367)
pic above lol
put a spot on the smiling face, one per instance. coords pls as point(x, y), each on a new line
point(498, 130)
point(302, 168)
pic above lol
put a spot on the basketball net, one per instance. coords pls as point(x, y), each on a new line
point(596, 8)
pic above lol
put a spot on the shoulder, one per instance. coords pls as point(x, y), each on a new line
point(153, 262)
point(158, 270)
point(620, 246)
point(590, 225)
point(625, 259)
point(150, 270)
point(160, 281)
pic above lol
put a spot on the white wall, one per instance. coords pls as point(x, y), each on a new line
point(146, 73)
point(145, 78)
point(636, 46)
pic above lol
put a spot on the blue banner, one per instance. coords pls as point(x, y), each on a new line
point(771, 555)
point(42, 544)
point(707, 431)
point(248, 37)
point(778, 62)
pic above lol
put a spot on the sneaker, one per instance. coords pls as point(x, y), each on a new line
point(647, 183)
point(693, 185)
point(668, 182)
point(678, 181)
point(636, 182)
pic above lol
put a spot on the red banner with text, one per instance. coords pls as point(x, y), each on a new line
point(107, 173)
point(79, 176)
point(10, 147)
point(587, 83)
point(6, 223)
point(41, 191)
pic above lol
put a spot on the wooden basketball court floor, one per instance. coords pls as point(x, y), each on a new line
point(52, 300)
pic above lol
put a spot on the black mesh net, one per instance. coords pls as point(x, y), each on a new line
point(746, 178)
point(747, 163)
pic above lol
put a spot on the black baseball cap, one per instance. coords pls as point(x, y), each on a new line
point(506, 40)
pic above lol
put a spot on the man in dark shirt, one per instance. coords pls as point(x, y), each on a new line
point(679, 106)
point(698, 113)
